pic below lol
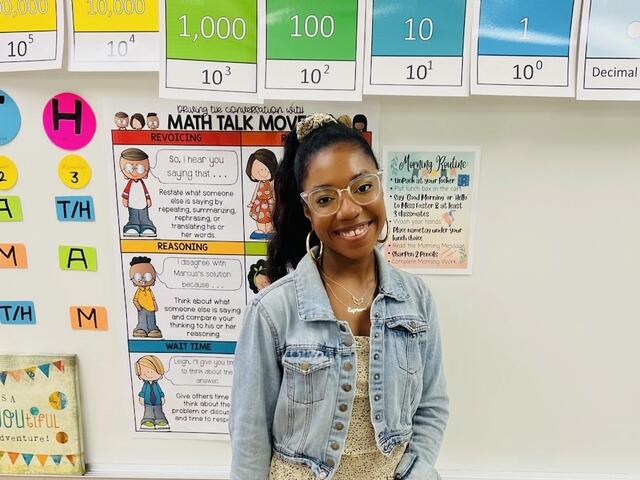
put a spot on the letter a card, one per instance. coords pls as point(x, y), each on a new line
point(609, 65)
point(525, 47)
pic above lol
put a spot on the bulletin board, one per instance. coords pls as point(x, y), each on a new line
point(539, 337)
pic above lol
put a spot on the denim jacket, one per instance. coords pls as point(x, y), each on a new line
point(295, 374)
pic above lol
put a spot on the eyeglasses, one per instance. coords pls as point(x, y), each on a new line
point(363, 190)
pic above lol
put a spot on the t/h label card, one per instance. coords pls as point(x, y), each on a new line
point(313, 50)
point(417, 47)
point(113, 35)
point(525, 47)
point(609, 66)
point(210, 50)
point(31, 34)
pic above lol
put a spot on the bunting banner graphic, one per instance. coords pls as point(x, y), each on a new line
point(45, 369)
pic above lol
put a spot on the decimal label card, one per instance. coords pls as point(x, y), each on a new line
point(31, 35)
point(313, 50)
point(609, 66)
point(525, 47)
point(210, 50)
point(417, 47)
point(113, 35)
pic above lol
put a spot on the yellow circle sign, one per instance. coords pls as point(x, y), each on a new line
point(8, 173)
point(74, 171)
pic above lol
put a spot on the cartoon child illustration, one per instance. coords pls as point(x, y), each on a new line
point(261, 168)
point(153, 122)
point(137, 121)
point(134, 164)
point(345, 120)
point(258, 276)
point(149, 369)
point(359, 123)
point(121, 120)
point(143, 275)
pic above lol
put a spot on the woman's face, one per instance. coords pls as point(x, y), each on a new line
point(353, 230)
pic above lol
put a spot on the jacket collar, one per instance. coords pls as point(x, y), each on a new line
point(312, 299)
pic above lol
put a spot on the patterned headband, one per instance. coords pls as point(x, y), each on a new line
point(309, 124)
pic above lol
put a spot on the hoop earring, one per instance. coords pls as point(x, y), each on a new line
point(313, 257)
point(386, 236)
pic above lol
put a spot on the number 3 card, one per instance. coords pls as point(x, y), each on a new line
point(113, 35)
point(31, 35)
point(417, 47)
point(610, 50)
point(525, 47)
point(313, 50)
point(209, 50)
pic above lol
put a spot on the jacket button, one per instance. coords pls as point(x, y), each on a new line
point(413, 324)
point(324, 474)
point(348, 342)
point(343, 407)
point(377, 314)
point(376, 335)
point(331, 462)
point(377, 417)
point(335, 446)
point(346, 387)
point(304, 366)
point(339, 425)
point(348, 366)
point(376, 397)
point(376, 376)
point(376, 356)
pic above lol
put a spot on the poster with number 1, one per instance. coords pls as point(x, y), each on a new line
point(525, 47)
point(113, 35)
point(209, 50)
point(31, 35)
point(314, 50)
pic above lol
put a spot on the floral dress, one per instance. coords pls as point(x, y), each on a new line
point(361, 459)
point(262, 206)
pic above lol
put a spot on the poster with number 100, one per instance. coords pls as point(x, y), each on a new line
point(525, 47)
point(313, 50)
point(209, 50)
point(417, 47)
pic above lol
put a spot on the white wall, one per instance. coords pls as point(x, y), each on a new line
point(541, 342)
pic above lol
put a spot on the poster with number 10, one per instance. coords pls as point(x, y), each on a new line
point(525, 47)
point(313, 51)
point(417, 47)
point(113, 35)
point(609, 67)
point(31, 35)
point(209, 50)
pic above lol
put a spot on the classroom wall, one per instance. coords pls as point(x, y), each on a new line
point(540, 342)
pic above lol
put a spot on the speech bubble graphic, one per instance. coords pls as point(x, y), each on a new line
point(201, 273)
point(202, 371)
point(196, 167)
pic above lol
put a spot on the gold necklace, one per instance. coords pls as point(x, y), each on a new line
point(351, 310)
point(357, 301)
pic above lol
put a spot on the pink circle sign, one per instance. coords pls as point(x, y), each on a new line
point(69, 121)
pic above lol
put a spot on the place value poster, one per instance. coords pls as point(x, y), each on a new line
point(430, 196)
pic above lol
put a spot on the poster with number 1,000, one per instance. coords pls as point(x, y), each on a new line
point(313, 50)
point(210, 50)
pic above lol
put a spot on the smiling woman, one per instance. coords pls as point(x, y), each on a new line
point(338, 370)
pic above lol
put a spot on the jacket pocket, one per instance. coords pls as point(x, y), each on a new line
point(306, 373)
point(405, 334)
